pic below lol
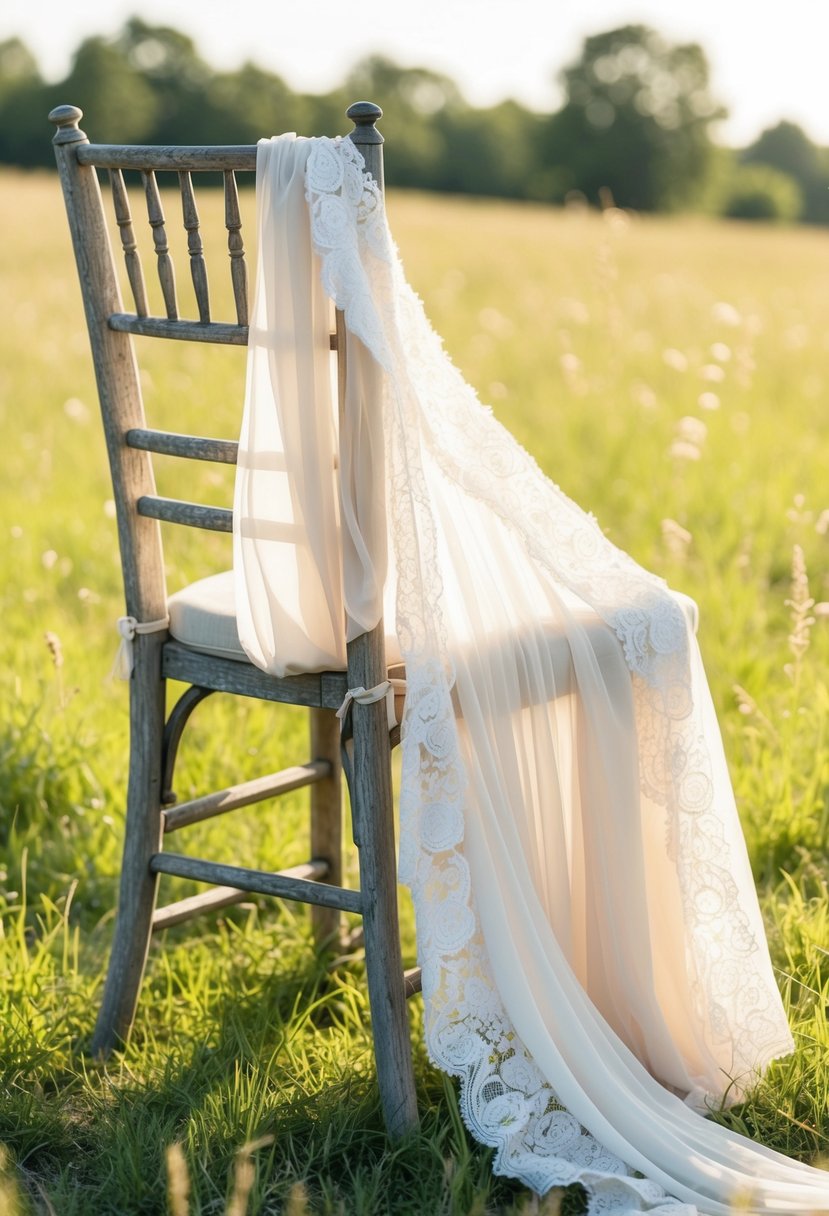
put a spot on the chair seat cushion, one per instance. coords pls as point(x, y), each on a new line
point(203, 617)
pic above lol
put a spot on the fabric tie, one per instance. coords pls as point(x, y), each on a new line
point(368, 696)
point(128, 627)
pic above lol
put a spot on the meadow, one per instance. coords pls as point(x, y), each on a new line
point(672, 375)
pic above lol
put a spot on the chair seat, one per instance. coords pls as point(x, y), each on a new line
point(203, 617)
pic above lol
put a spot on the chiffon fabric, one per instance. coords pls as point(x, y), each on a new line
point(594, 964)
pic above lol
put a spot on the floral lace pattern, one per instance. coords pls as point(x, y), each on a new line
point(505, 1100)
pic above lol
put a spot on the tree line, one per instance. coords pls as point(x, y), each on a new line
point(636, 129)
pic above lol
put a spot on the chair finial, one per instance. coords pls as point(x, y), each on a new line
point(364, 114)
point(66, 119)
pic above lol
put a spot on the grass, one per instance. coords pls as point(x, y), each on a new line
point(672, 376)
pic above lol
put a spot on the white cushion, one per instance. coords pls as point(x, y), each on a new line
point(203, 616)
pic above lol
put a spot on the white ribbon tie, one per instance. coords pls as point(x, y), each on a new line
point(128, 627)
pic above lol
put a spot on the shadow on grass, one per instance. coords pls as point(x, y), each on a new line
point(273, 1048)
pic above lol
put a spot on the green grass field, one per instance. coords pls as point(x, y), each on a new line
point(673, 376)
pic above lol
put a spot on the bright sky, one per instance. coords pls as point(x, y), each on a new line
point(769, 60)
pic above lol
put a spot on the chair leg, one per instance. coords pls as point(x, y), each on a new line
point(373, 816)
point(326, 819)
point(136, 901)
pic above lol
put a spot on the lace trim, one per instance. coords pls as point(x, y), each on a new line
point(505, 1100)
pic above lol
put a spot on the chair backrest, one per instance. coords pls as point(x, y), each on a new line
point(130, 443)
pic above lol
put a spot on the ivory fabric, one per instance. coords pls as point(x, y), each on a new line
point(594, 964)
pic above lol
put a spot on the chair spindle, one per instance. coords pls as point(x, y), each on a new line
point(166, 273)
point(236, 247)
point(135, 274)
point(195, 247)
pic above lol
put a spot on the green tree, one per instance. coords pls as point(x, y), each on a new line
point(636, 120)
point(758, 192)
point(248, 104)
point(175, 76)
point(18, 66)
point(490, 151)
point(416, 102)
point(787, 148)
point(120, 103)
point(23, 106)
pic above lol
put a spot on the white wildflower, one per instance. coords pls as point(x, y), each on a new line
point(725, 313)
point(676, 538)
point(712, 372)
point(674, 358)
point(692, 430)
point(76, 410)
point(681, 450)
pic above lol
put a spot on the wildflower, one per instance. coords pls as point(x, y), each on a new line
point(720, 351)
point(801, 604)
point(617, 219)
point(692, 430)
point(712, 372)
point(297, 1204)
point(56, 651)
point(54, 647)
point(725, 313)
point(676, 538)
point(684, 451)
point(244, 1176)
point(178, 1181)
point(749, 708)
point(644, 395)
point(708, 401)
point(797, 512)
point(675, 359)
point(76, 410)
point(495, 322)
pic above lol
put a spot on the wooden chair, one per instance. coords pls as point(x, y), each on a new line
point(158, 656)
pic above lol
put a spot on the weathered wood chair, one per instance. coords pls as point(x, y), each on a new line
point(191, 657)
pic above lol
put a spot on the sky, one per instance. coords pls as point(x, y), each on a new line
point(769, 61)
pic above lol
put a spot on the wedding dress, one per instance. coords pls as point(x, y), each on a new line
point(594, 964)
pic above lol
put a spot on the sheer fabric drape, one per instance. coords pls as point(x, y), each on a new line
point(594, 963)
point(300, 574)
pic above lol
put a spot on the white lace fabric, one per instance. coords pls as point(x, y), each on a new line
point(594, 965)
